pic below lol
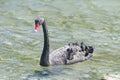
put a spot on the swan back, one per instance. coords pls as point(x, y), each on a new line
point(70, 54)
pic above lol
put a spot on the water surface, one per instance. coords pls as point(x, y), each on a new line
point(95, 22)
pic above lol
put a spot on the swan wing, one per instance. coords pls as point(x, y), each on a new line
point(80, 53)
point(58, 56)
point(70, 54)
point(79, 57)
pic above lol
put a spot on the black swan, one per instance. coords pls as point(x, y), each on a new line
point(69, 54)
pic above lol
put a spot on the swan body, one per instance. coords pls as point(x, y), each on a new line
point(69, 54)
point(63, 56)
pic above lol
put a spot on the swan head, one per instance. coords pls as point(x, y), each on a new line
point(38, 21)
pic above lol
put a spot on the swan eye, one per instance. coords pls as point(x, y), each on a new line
point(36, 21)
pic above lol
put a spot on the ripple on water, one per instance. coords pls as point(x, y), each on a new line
point(112, 76)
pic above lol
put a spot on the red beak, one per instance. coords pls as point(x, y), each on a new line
point(36, 26)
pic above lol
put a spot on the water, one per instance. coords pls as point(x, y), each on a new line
point(96, 22)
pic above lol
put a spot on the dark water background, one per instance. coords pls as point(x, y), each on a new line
point(95, 22)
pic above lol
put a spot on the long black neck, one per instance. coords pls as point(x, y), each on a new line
point(45, 53)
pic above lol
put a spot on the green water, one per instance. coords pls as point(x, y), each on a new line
point(95, 22)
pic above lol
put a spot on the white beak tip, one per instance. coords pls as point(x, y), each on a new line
point(35, 30)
